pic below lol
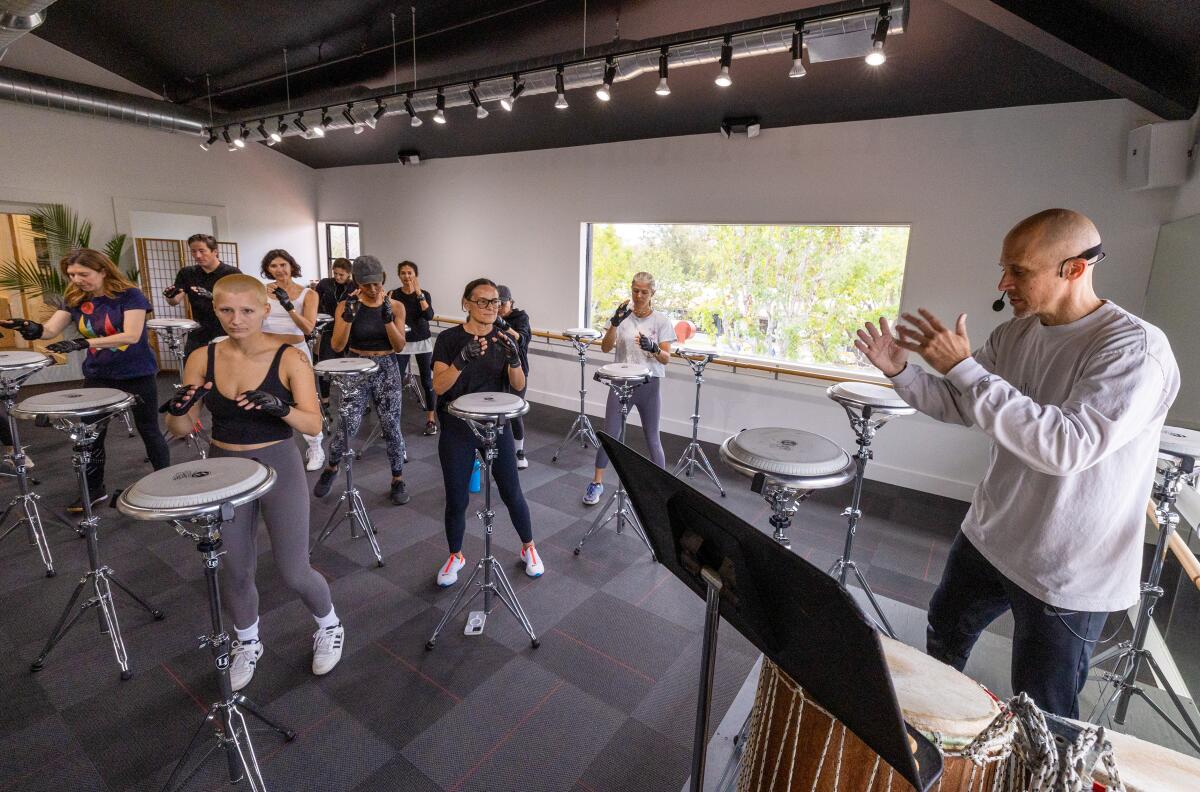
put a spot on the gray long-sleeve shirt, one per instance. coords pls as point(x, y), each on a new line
point(1074, 413)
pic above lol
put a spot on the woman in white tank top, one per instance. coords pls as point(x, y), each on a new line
point(293, 316)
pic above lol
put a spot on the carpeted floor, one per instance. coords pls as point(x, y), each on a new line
point(604, 705)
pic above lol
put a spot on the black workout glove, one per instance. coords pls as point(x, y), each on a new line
point(471, 351)
point(268, 403)
point(500, 324)
point(29, 330)
point(201, 292)
point(171, 292)
point(350, 309)
point(63, 347)
point(509, 347)
point(183, 399)
point(284, 301)
point(620, 314)
point(647, 345)
point(386, 312)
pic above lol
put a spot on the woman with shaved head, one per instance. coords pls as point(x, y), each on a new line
point(1073, 392)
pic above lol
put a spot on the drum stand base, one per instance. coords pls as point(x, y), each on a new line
point(495, 582)
point(1131, 654)
point(25, 500)
point(581, 429)
point(693, 457)
point(224, 717)
point(99, 576)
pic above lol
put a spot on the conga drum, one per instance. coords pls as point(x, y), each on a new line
point(794, 745)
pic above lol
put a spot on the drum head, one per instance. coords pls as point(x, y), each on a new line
point(863, 394)
point(346, 366)
point(79, 401)
point(623, 372)
point(324, 318)
point(790, 453)
point(1145, 767)
point(196, 484)
point(936, 699)
point(23, 359)
point(171, 323)
point(582, 332)
point(487, 405)
point(1180, 442)
point(696, 352)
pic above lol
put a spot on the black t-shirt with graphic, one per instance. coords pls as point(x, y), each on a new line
point(487, 373)
point(202, 307)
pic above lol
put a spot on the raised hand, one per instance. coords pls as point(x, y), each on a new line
point(350, 307)
point(647, 345)
point(284, 301)
point(267, 402)
point(385, 310)
point(29, 330)
point(619, 315)
point(882, 348)
point(184, 397)
point(64, 347)
point(941, 347)
point(500, 324)
point(508, 346)
point(201, 292)
point(475, 349)
point(171, 292)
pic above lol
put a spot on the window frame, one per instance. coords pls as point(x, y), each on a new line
point(327, 236)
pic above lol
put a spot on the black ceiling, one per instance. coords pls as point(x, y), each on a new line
point(956, 55)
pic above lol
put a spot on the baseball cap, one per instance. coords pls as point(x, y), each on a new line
point(366, 269)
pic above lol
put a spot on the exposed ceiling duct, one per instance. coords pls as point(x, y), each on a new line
point(50, 93)
point(18, 17)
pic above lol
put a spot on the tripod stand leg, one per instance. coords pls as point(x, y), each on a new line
point(1109, 653)
point(576, 430)
point(712, 474)
point(153, 611)
point(109, 612)
point(599, 522)
point(862, 581)
point(191, 746)
point(61, 627)
point(1194, 739)
point(630, 516)
point(238, 736)
point(253, 709)
point(330, 525)
point(358, 514)
point(506, 594)
point(457, 604)
point(34, 520)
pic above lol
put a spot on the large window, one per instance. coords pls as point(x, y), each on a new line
point(341, 241)
point(787, 293)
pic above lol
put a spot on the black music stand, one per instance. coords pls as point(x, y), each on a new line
point(798, 616)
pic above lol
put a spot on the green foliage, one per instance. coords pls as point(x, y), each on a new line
point(789, 293)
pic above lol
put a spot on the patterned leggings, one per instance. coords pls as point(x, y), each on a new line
point(386, 391)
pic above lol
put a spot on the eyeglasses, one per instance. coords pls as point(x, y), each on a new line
point(485, 303)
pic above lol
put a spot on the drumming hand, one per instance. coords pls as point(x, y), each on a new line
point(647, 345)
point(171, 292)
point(942, 348)
point(63, 347)
point(472, 351)
point(261, 400)
point(500, 324)
point(30, 331)
point(184, 397)
point(882, 348)
point(619, 315)
point(201, 292)
point(385, 310)
point(506, 344)
point(284, 301)
point(350, 308)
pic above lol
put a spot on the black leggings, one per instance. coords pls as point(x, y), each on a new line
point(456, 452)
point(145, 418)
point(518, 424)
point(425, 367)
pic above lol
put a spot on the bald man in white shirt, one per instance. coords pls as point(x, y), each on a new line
point(1073, 392)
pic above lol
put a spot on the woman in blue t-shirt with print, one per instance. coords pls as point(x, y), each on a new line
point(110, 314)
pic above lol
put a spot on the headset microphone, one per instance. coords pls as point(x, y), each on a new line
point(998, 305)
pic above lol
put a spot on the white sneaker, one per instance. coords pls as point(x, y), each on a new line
point(327, 648)
point(522, 461)
point(533, 562)
point(448, 574)
point(244, 657)
point(314, 458)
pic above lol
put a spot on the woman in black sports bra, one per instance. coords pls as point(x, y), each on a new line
point(260, 390)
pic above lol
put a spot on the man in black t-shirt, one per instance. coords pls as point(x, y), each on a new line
point(196, 284)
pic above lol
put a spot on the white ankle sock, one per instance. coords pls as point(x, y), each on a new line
point(328, 620)
point(520, 444)
point(248, 634)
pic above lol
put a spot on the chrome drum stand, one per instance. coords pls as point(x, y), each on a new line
point(581, 429)
point(693, 457)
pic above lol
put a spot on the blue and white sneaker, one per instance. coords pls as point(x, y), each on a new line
point(592, 496)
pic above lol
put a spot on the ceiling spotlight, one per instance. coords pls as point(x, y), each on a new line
point(480, 110)
point(304, 130)
point(876, 56)
point(277, 135)
point(262, 131)
point(212, 138)
point(798, 69)
point(723, 78)
point(560, 89)
point(373, 119)
point(351, 120)
point(663, 89)
point(439, 115)
point(604, 92)
point(326, 122)
point(228, 140)
point(413, 118)
point(240, 140)
point(517, 89)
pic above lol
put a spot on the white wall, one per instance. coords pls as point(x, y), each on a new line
point(961, 180)
point(168, 225)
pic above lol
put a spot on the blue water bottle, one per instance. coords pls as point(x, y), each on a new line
point(475, 476)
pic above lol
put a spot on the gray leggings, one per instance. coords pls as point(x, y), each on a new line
point(285, 511)
point(385, 389)
point(648, 401)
